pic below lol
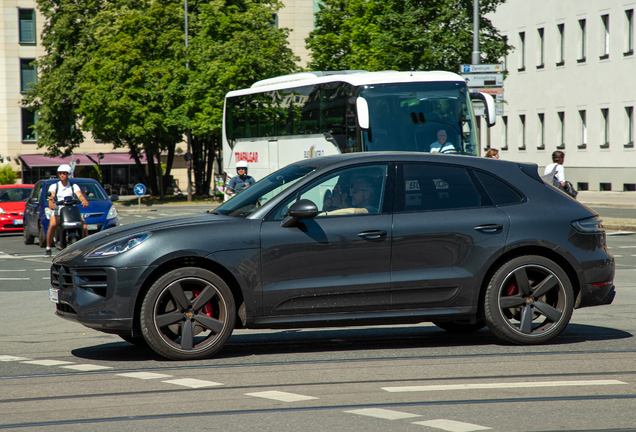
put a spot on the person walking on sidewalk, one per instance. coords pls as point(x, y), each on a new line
point(555, 171)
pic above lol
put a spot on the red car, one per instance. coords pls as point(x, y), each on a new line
point(13, 199)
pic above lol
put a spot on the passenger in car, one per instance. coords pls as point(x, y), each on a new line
point(363, 196)
point(340, 197)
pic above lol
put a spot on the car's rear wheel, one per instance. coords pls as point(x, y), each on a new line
point(41, 235)
point(461, 326)
point(529, 300)
point(188, 314)
point(26, 237)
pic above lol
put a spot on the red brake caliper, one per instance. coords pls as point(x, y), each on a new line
point(512, 289)
point(207, 309)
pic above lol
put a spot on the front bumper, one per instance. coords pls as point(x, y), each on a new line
point(101, 298)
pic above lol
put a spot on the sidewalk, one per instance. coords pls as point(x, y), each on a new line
point(612, 199)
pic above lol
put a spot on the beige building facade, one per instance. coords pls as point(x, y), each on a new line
point(570, 86)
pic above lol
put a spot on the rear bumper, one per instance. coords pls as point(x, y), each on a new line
point(595, 296)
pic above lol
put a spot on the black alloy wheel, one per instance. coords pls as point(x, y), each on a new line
point(188, 314)
point(529, 301)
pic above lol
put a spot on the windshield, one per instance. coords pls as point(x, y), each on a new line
point(14, 194)
point(249, 200)
point(423, 117)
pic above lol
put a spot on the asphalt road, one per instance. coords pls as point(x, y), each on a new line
point(56, 375)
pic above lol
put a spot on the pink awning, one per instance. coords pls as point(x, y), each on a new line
point(38, 160)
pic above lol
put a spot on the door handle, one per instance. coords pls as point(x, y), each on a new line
point(489, 227)
point(372, 235)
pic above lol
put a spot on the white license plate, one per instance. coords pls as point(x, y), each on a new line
point(91, 227)
point(54, 295)
point(18, 221)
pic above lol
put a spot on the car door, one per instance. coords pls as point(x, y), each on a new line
point(334, 262)
point(446, 231)
point(31, 209)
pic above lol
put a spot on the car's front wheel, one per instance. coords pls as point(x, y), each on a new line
point(26, 237)
point(529, 300)
point(41, 235)
point(188, 314)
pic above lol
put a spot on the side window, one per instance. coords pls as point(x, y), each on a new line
point(358, 190)
point(499, 192)
point(435, 187)
point(36, 191)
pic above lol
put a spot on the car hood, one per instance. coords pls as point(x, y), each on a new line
point(12, 207)
point(99, 239)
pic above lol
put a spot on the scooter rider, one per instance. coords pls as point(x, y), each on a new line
point(241, 181)
point(57, 192)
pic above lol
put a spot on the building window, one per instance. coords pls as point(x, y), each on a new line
point(541, 50)
point(274, 21)
point(561, 116)
point(605, 187)
point(541, 145)
point(27, 26)
point(28, 74)
point(605, 130)
point(522, 51)
point(522, 131)
point(606, 39)
point(582, 186)
point(582, 45)
point(29, 118)
point(561, 47)
point(504, 120)
point(582, 117)
point(629, 125)
point(629, 28)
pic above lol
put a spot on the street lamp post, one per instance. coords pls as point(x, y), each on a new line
point(188, 131)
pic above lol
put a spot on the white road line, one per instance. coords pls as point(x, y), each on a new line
point(15, 278)
point(144, 375)
point(281, 396)
point(194, 383)
point(137, 216)
point(501, 385)
point(21, 256)
point(618, 256)
point(47, 362)
point(626, 247)
point(451, 425)
point(86, 367)
point(383, 413)
point(42, 269)
point(8, 358)
point(12, 270)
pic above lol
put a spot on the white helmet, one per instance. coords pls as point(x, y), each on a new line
point(241, 165)
point(64, 168)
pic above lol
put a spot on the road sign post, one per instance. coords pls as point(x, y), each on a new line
point(140, 190)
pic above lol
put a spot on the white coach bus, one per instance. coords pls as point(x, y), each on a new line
point(284, 119)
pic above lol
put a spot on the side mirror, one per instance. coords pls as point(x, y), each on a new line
point(33, 200)
point(303, 209)
point(489, 103)
point(363, 113)
point(114, 197)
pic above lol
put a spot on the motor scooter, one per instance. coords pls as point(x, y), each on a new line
point(70, 228)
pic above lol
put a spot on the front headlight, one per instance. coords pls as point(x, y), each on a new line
point(112, 213)
point(1, 211)
point(119, 246)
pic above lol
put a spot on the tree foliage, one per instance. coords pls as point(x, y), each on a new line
point(117, 69)
point(7, 175)
point(402, 35)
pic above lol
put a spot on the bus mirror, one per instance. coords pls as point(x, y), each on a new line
point(489, 104)
point(363, 113)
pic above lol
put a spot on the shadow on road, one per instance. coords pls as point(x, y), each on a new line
point(243, 343)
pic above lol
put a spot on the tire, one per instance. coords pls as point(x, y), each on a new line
point(529, 300)
point(72, 239)
point(179, 326)
point(41, 235)
point(26, 237)
point(138, 340)
point(461, 326)
point(59, 238)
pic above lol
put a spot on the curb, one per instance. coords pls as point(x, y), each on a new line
point(606, 204)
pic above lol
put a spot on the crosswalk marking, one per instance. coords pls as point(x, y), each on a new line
point(501, 385)
point(281, 396)
point(144, 375)
point(193, 383)
point(451, 425)
point(8, 358)
point(8, 279)
point(47, 362)
point(86, 367)
point(383, 413)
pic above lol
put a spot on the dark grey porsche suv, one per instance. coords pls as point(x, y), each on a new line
point(360, 239)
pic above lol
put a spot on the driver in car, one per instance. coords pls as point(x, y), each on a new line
point(362, 197)
point(57, 192)
point(441, 145)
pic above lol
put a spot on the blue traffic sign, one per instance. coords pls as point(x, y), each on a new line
point(140, 189)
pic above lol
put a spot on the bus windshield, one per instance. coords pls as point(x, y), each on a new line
point(411, 117)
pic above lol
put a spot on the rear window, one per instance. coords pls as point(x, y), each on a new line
point(499, 192)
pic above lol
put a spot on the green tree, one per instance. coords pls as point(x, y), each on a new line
point(7, 175)
point(402, 35)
